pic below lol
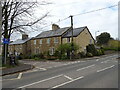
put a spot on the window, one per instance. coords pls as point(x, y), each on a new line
point(48, 41)
point(40, 41)
point(34, 42)
point(51, 51)
point(68, 40)
point(90, 41)
point(55, 40)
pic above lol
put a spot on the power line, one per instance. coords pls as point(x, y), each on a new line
point(96, 10)
point(81, 14)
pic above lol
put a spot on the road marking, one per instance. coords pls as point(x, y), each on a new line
point(49, 67)
point(105, 61)
point(68, 77)
point(65, 64)
point(35, 63)
point(19, 76)
point(41, 68)
point(105, 68)
point(67, 82)
point(85, 67)
point(40, 81)
point(97, 60)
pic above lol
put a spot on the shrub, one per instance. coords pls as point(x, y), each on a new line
point(82, 54)
point(91, 49)
point(89, 54)
point(36, 58)
point(65, 48)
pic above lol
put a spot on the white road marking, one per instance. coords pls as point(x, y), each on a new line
point(40, 81)
point(85, 67)
point(35, 63)
point(105, 61)
point(97, 60)
point(65, 64)
point(67, 82)
point(116, 61)
point(31, 71)
point(105, 68)
point(19, 76)
point(49, 67)
point(41, 68)
point(68, 77)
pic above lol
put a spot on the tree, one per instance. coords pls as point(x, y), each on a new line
point(18, 15)
point(103, 38)
point(66, 48)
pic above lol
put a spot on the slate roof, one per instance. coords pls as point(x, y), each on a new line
point(19, 41)
point(76, 32)
point(52, 33)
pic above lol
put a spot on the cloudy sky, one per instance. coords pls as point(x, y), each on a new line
point(102, 21)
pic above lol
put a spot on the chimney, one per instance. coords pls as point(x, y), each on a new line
point(55, 27)
point(24, 36)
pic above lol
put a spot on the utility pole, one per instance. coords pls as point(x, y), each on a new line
point(72, 53)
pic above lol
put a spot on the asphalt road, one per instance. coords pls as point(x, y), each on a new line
point(95, 73)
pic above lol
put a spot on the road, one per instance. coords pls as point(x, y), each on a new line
point(100, 72)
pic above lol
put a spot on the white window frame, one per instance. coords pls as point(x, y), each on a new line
point(48, 41)
point(34, 42)
point(56, 40)
point(40, 41)
point(51, 51)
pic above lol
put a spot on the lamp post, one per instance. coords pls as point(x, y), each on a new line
point(96, 36)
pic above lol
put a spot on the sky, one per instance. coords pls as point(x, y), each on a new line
point(102, 21)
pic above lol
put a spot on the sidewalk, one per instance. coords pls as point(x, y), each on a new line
point(22, 67)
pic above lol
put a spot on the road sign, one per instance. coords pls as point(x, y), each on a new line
point(6, 40)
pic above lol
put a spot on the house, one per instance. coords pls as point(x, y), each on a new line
point(22, 46)
point(81, 37)
point(48, 41)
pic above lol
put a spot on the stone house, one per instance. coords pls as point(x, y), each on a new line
point(48, 41)
point(22, 46)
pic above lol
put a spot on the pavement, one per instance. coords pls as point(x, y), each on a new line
point(99, 72)
point(20, 68)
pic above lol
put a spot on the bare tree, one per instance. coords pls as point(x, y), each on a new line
point(17, 15)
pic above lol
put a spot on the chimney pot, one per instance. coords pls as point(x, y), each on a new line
point(55, 27)
point(24, 36)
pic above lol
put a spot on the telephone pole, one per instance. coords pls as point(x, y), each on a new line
point(72, 53)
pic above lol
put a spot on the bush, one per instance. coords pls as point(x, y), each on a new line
point(63, 57)
point(109, 48)
point(89, 54)
point(36, 56)
point(82, 54)
point(100, 52)
point(65, 48)
point(91, 49)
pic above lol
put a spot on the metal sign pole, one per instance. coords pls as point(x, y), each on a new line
point(5, 54)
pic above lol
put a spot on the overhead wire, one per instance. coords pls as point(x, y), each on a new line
point(81, 14)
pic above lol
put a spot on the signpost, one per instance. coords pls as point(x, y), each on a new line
point(6, 41)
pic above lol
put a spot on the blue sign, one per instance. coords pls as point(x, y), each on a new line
point(6, 40)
